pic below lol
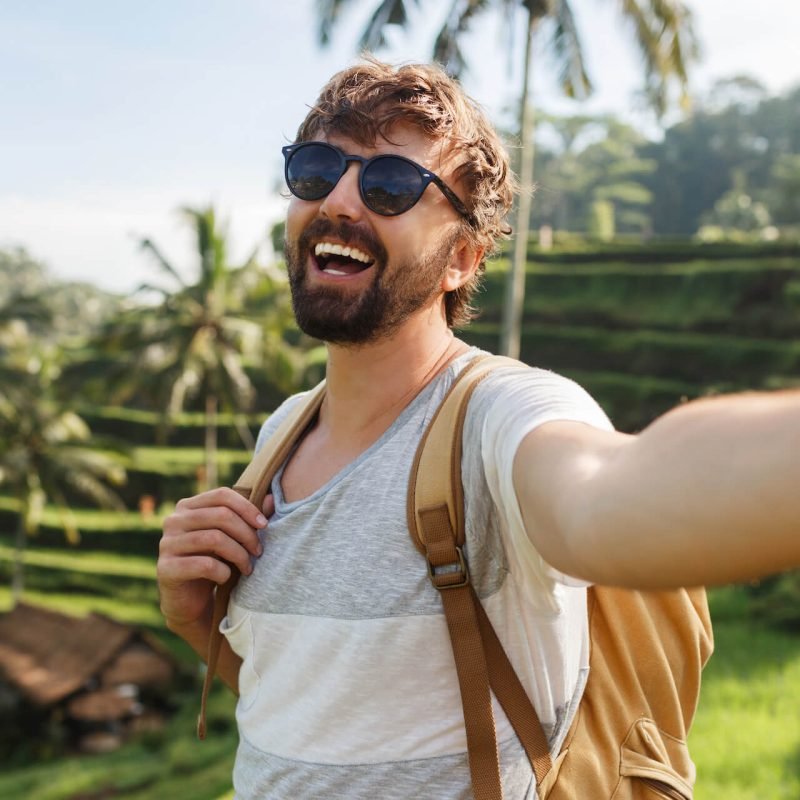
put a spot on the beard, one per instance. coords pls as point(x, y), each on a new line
point(343, 317)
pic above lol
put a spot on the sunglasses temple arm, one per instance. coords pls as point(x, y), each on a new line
point(453, 198)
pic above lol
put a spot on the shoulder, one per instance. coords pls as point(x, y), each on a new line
point(270, 425)
point(506, 406)
point(520, 398)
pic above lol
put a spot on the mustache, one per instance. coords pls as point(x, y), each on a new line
point(354, 235)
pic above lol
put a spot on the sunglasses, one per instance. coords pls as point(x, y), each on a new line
point(389, 184)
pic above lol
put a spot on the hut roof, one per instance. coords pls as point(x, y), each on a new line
point(48, 656)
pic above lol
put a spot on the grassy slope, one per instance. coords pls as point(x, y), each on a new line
point(170, 764)
point(745, 741)
point(746, 736)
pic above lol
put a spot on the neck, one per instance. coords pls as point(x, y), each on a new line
point(368, 386)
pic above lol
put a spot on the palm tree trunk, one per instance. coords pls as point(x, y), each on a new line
point(18, 578)
point(211, 442)
point(515, 286)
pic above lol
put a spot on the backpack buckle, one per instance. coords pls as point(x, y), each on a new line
point(443, 577)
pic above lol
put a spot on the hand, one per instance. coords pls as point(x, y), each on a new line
point(202, 538)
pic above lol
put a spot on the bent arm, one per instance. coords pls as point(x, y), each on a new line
point(203, 538)
point(197, 635)
point(707, 494)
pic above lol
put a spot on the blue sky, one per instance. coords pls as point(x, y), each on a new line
point(116, 114)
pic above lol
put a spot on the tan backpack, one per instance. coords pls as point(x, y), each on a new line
point(628, 738)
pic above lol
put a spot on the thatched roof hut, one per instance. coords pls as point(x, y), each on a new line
point(48, 656)
point(93, 667)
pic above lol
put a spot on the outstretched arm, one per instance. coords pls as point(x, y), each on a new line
point(707, 494)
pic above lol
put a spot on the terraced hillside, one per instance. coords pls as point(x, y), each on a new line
point(641, 329)
point(644, 329)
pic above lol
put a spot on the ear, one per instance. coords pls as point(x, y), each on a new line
point(463, 265)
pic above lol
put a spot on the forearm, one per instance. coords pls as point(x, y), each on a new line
point(197, 635)
point(708, 494)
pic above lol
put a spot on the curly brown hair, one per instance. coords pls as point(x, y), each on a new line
point(363, 102)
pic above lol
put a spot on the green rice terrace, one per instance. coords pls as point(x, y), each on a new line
point(643, 329)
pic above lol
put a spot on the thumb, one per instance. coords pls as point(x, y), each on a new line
point(268, 506)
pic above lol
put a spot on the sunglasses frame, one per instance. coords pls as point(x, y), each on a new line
point(426, 176)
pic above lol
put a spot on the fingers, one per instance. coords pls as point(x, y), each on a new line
point(217, 544)
point(176, 572)
point(230, 499)
point(219, 509)
point(268, 506)
point(204, 538)
point(208, 532)
point(217, 518)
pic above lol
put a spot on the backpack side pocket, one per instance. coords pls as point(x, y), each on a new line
point(654, 765)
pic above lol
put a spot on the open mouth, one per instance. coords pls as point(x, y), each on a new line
point(337, 259)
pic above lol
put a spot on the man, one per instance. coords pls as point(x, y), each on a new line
point(336, 640)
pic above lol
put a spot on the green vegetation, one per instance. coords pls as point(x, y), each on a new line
point(46, 450)
point(745, 740)
point(746, 737)
point(641, 327)
point(665, 39)
point(195, 342)
point(168, 763)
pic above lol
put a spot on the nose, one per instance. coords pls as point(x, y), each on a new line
point(344, 201)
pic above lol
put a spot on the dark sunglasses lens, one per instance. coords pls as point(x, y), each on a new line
point(313, 171)
point(391, 186)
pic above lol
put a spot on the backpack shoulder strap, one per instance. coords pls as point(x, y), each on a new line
point(254, 484)
point(435, 510)
point(438, 457)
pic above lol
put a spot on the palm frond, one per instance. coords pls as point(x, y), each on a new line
point(666, 40)
point(388, 12)
point(66, 518)
point(328, 12)
point(566, 43)
point(447, 49)
point(66, 426)
point(150, 246)
point(33, 503)
point(239, 383)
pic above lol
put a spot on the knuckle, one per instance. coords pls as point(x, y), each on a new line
point(215, 570)
point(209, 539)
point(228, 516)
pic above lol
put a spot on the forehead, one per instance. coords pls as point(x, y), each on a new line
point(404, 140)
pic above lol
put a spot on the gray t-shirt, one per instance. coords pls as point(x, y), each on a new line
point(348, 686)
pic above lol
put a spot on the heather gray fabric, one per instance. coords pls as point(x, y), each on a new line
point(348, 688)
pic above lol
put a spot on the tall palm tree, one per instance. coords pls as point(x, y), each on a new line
point(46, 450)
point(195, 341)
point(664, 36)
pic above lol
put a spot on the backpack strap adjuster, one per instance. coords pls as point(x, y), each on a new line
point(443, 576)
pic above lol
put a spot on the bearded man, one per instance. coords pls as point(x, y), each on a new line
point(335, 641)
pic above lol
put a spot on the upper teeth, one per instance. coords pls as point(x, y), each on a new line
point(328, 248)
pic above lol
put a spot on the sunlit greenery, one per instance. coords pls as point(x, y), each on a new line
point(642, 325)
point(193, 344)
point(46, 449)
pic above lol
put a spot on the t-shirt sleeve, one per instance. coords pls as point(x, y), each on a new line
point(522, 400)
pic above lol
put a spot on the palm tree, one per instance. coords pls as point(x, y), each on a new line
point(195, 341)
point(664, 36)
point(46, 449)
